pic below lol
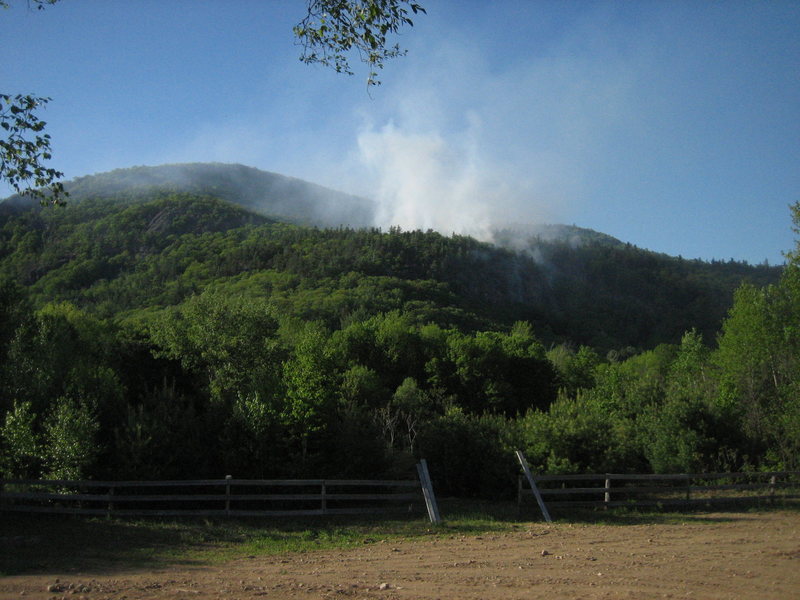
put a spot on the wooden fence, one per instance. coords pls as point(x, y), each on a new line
point(684, 489)
point(213, 497)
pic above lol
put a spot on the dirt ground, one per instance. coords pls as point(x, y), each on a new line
point(724, 555)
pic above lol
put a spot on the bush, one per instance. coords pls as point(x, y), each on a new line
point(69, 447)
point(469, 455)
point(20, 444)
point(579, 435)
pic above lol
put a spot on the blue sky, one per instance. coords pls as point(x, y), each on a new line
point(671, 125)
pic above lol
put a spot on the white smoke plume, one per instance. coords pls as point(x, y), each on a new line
point(424, 182)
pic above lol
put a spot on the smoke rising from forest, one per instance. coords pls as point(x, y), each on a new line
point(425, 179)
point(457, 146)
point(423, 182)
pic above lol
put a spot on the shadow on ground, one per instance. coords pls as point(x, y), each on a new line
point(57, 543)
point(37, 544)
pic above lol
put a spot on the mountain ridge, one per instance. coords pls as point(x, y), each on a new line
point(275, 196)
point(113, 258)
point(267, 193)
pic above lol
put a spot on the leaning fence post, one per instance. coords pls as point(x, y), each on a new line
point(427, 492)
point(228, 494)
point(527, 470)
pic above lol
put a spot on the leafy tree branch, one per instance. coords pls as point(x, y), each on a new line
point(25, 147)
point(334, 29)
point(331, 31)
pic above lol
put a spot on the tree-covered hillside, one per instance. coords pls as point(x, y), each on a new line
point(180, 335)
point(265, 193)
point(117, 257)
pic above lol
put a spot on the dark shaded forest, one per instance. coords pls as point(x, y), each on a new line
point(179, 335)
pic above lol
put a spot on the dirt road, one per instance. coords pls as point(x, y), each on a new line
point(724, 555)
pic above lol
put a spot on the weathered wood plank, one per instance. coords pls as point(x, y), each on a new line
point(427, 492)
point(665, 501)
point(55, 496)
point(118, 498)
point(543, 478)
point(397, 497)
point(526, 469)
point(670, 489)
point(215, 482)
point(571, 491)
point(43, 496)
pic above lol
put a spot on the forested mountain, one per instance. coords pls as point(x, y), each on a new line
point(268, 194)
point(148, 332)
point(128, 241)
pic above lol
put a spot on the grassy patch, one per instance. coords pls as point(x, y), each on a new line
point(52, 543)
point(63, 544)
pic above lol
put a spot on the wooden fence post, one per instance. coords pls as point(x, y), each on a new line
point(427, 492)
point(228, 494)
point(110, 502)
point(688, 488)
point(324, 500)
point(527, 470)
point(607, 493)
point(772, 481)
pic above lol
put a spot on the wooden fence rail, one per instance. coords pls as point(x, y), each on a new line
point(675, 489)
point(212, 497)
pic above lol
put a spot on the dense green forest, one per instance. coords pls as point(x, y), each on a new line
point(176, 335)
